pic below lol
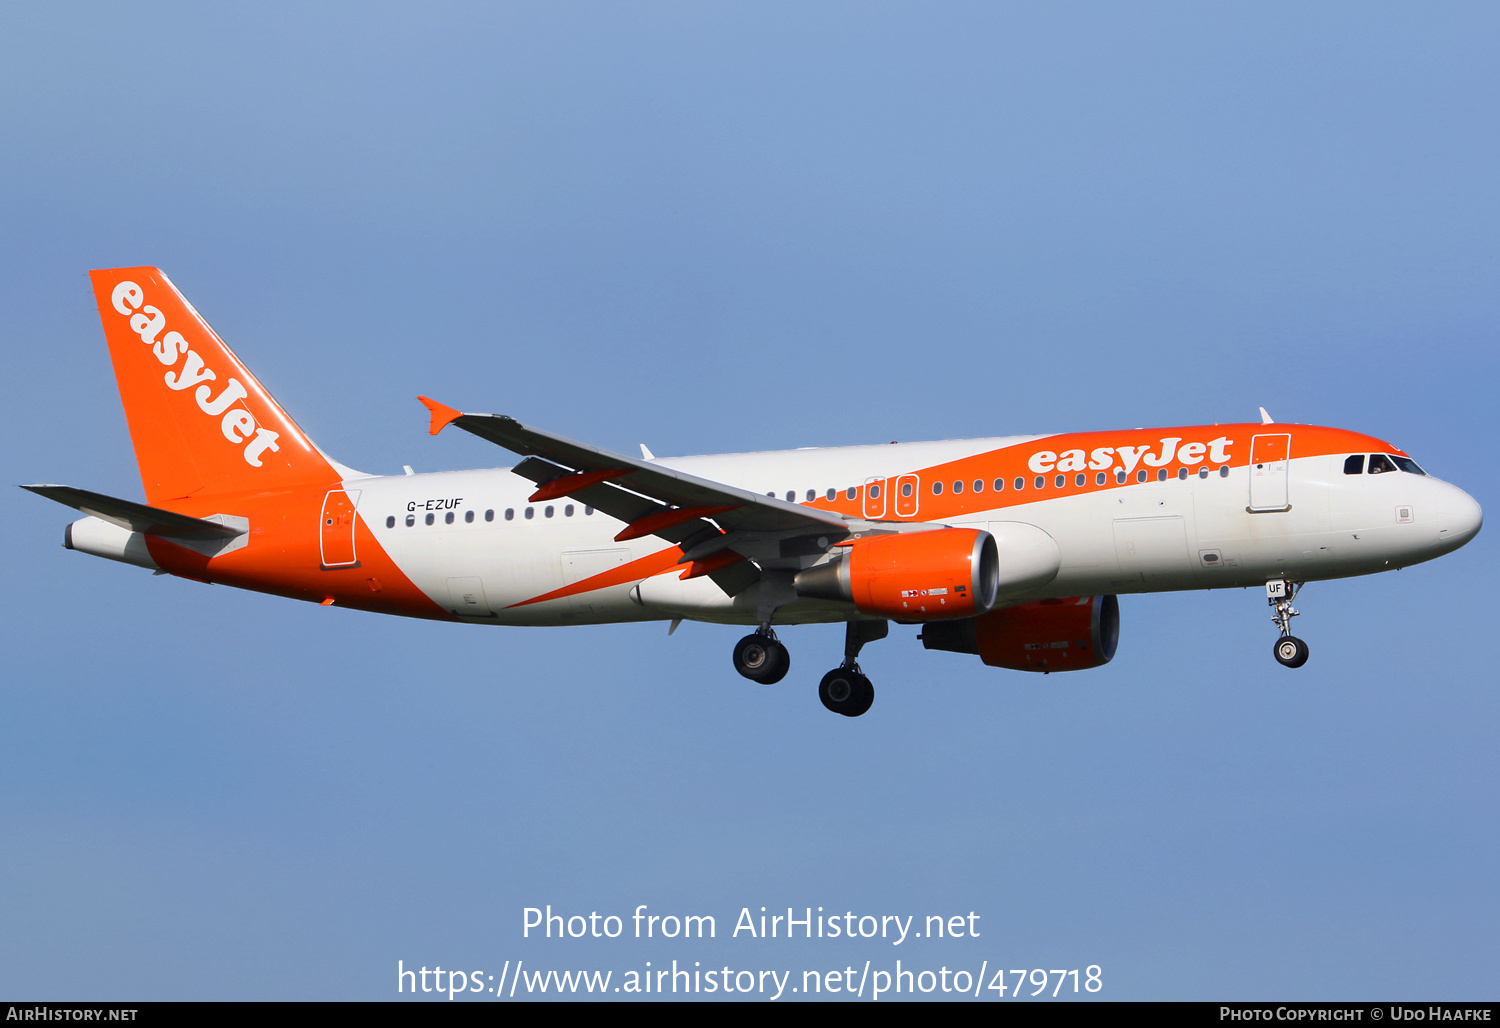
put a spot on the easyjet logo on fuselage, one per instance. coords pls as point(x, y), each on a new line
point(1103, 458)
point(236, 423)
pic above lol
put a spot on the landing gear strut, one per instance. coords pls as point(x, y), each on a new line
point(1289, 650)
point(761, 657)
point(845, 690)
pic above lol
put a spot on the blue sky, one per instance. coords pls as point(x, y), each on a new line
point(713, 228)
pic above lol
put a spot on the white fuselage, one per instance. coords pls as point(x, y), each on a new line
point(1193, 533)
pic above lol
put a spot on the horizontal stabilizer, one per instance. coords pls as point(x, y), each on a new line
point(137, 517)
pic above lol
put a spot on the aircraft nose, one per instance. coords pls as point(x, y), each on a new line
point(1459, 517)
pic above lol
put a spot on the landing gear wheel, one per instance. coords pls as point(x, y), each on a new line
point(1291, 651)
point(845, 691)
point(761, 658)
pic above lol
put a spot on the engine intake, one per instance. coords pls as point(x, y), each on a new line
point(911, 576)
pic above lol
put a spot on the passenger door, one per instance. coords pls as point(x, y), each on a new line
point(1269, 457)
point(336, 530)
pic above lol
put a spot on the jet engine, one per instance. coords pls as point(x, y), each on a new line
point(1067, 634)
point(911, 576)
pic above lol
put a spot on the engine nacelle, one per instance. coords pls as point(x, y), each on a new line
point(911, 576)
point(1048, 635)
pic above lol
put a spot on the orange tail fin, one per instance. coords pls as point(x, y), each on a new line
point(199, 420)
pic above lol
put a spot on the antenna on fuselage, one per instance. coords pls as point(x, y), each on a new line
point(1266, 419)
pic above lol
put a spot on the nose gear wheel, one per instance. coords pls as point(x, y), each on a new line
point(1289, 650)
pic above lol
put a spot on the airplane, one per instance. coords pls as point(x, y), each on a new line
point(1013, 549)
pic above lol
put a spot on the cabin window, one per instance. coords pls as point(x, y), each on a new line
point(1120, 477)
point(549, 510)
point(937, 488)
point(851, 492)
point(1354, 465)
point(1041, 482)
point(390, 522)
point(510, 514)
point(1182, 474)
point(568, 511)
point(1060, 481)
point(833, 493)
point(874, 492)
point(448, 518)
point(1020, 483)
point(1100, 478)
point(791, 496)
point(979, 485)
point(530, 513)
point(431, 518)
point(812, 494)
point(588, 511)
point(410, 520)
point(905, 488)
point(1224, 471)
point(999, 485)
point(1203, 471)
point(958, 487)
point(1161, 476)
point(468, 517)
point(1140, 476)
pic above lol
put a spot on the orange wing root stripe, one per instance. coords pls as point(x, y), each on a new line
point(442, 415)
point(667, 518)
point(645, 567)
point(708, 565)
point(560, 487)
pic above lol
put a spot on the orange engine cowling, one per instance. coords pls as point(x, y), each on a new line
point(911, 576)
point(1067, 634)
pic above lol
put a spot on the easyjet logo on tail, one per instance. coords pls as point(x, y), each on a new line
point(236, 423)
point(1106, 457)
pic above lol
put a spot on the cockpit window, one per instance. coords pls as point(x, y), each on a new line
point(1380, 464)
point(1354, 465)
point(1408, 465)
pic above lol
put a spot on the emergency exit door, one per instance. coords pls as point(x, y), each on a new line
point(336, 530)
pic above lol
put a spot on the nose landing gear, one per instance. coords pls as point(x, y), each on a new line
point(1289, 650)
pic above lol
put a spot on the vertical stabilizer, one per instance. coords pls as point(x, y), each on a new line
point(200, 422)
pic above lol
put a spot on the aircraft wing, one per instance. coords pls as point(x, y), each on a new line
point(652, 499)
point(136, 517)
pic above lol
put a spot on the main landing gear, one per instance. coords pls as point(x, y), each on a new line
point(845, 690)
point(1289, 650)
point(761, 657)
